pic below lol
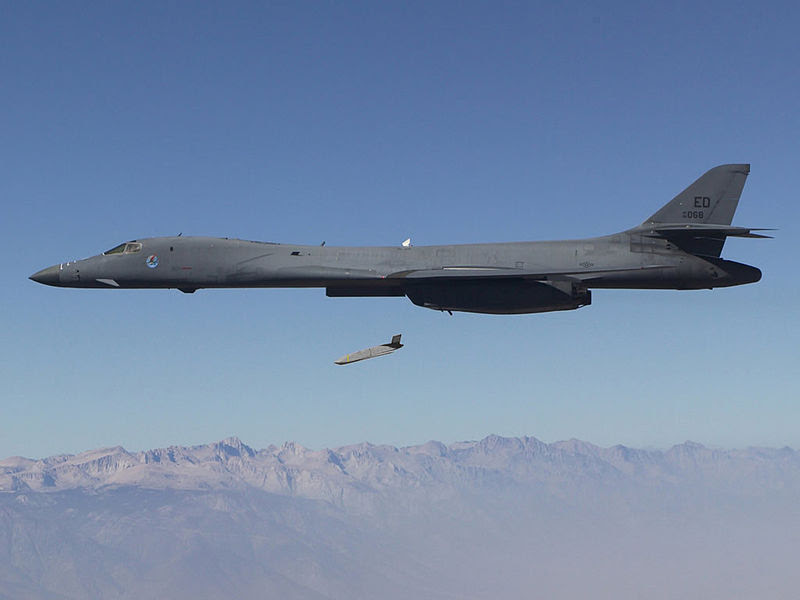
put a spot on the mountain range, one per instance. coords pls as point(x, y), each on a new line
point(493, 518)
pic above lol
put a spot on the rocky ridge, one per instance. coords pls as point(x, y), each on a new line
point(341, 474)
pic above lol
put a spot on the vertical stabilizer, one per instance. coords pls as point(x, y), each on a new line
point(711, 199)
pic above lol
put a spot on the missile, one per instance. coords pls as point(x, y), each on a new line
point(373, 352)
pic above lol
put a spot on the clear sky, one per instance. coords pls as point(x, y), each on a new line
point(364, 124)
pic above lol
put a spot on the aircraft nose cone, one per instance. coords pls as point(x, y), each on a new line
point(48, 276)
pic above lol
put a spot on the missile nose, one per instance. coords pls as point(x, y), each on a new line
point(48, 276)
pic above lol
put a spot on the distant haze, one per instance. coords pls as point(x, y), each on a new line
point(495, 518)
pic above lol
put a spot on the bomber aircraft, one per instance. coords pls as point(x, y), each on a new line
point(678, 247)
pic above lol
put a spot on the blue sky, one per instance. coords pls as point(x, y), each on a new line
point(366, 123)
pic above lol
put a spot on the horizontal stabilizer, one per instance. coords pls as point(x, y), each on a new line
point(706, 229)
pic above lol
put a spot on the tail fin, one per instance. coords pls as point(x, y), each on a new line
point(712, 199)
point(698, 220)
point(396, 341)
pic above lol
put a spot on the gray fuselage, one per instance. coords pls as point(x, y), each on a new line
point(625, 260)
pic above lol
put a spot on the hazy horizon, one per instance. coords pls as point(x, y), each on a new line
point(283, 443)
point(477, 520)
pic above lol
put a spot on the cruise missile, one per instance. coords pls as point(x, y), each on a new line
point(373, 352)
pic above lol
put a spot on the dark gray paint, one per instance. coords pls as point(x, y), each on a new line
point(678, 247)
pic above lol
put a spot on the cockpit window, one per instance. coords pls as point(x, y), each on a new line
point(126, 248)
point(116, 250)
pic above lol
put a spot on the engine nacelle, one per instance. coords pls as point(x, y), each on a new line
point(498, 297)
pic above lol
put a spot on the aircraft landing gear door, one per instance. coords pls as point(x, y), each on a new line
point(191, 264)
point(180, 261)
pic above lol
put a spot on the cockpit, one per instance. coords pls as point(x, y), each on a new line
point(126, 248)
